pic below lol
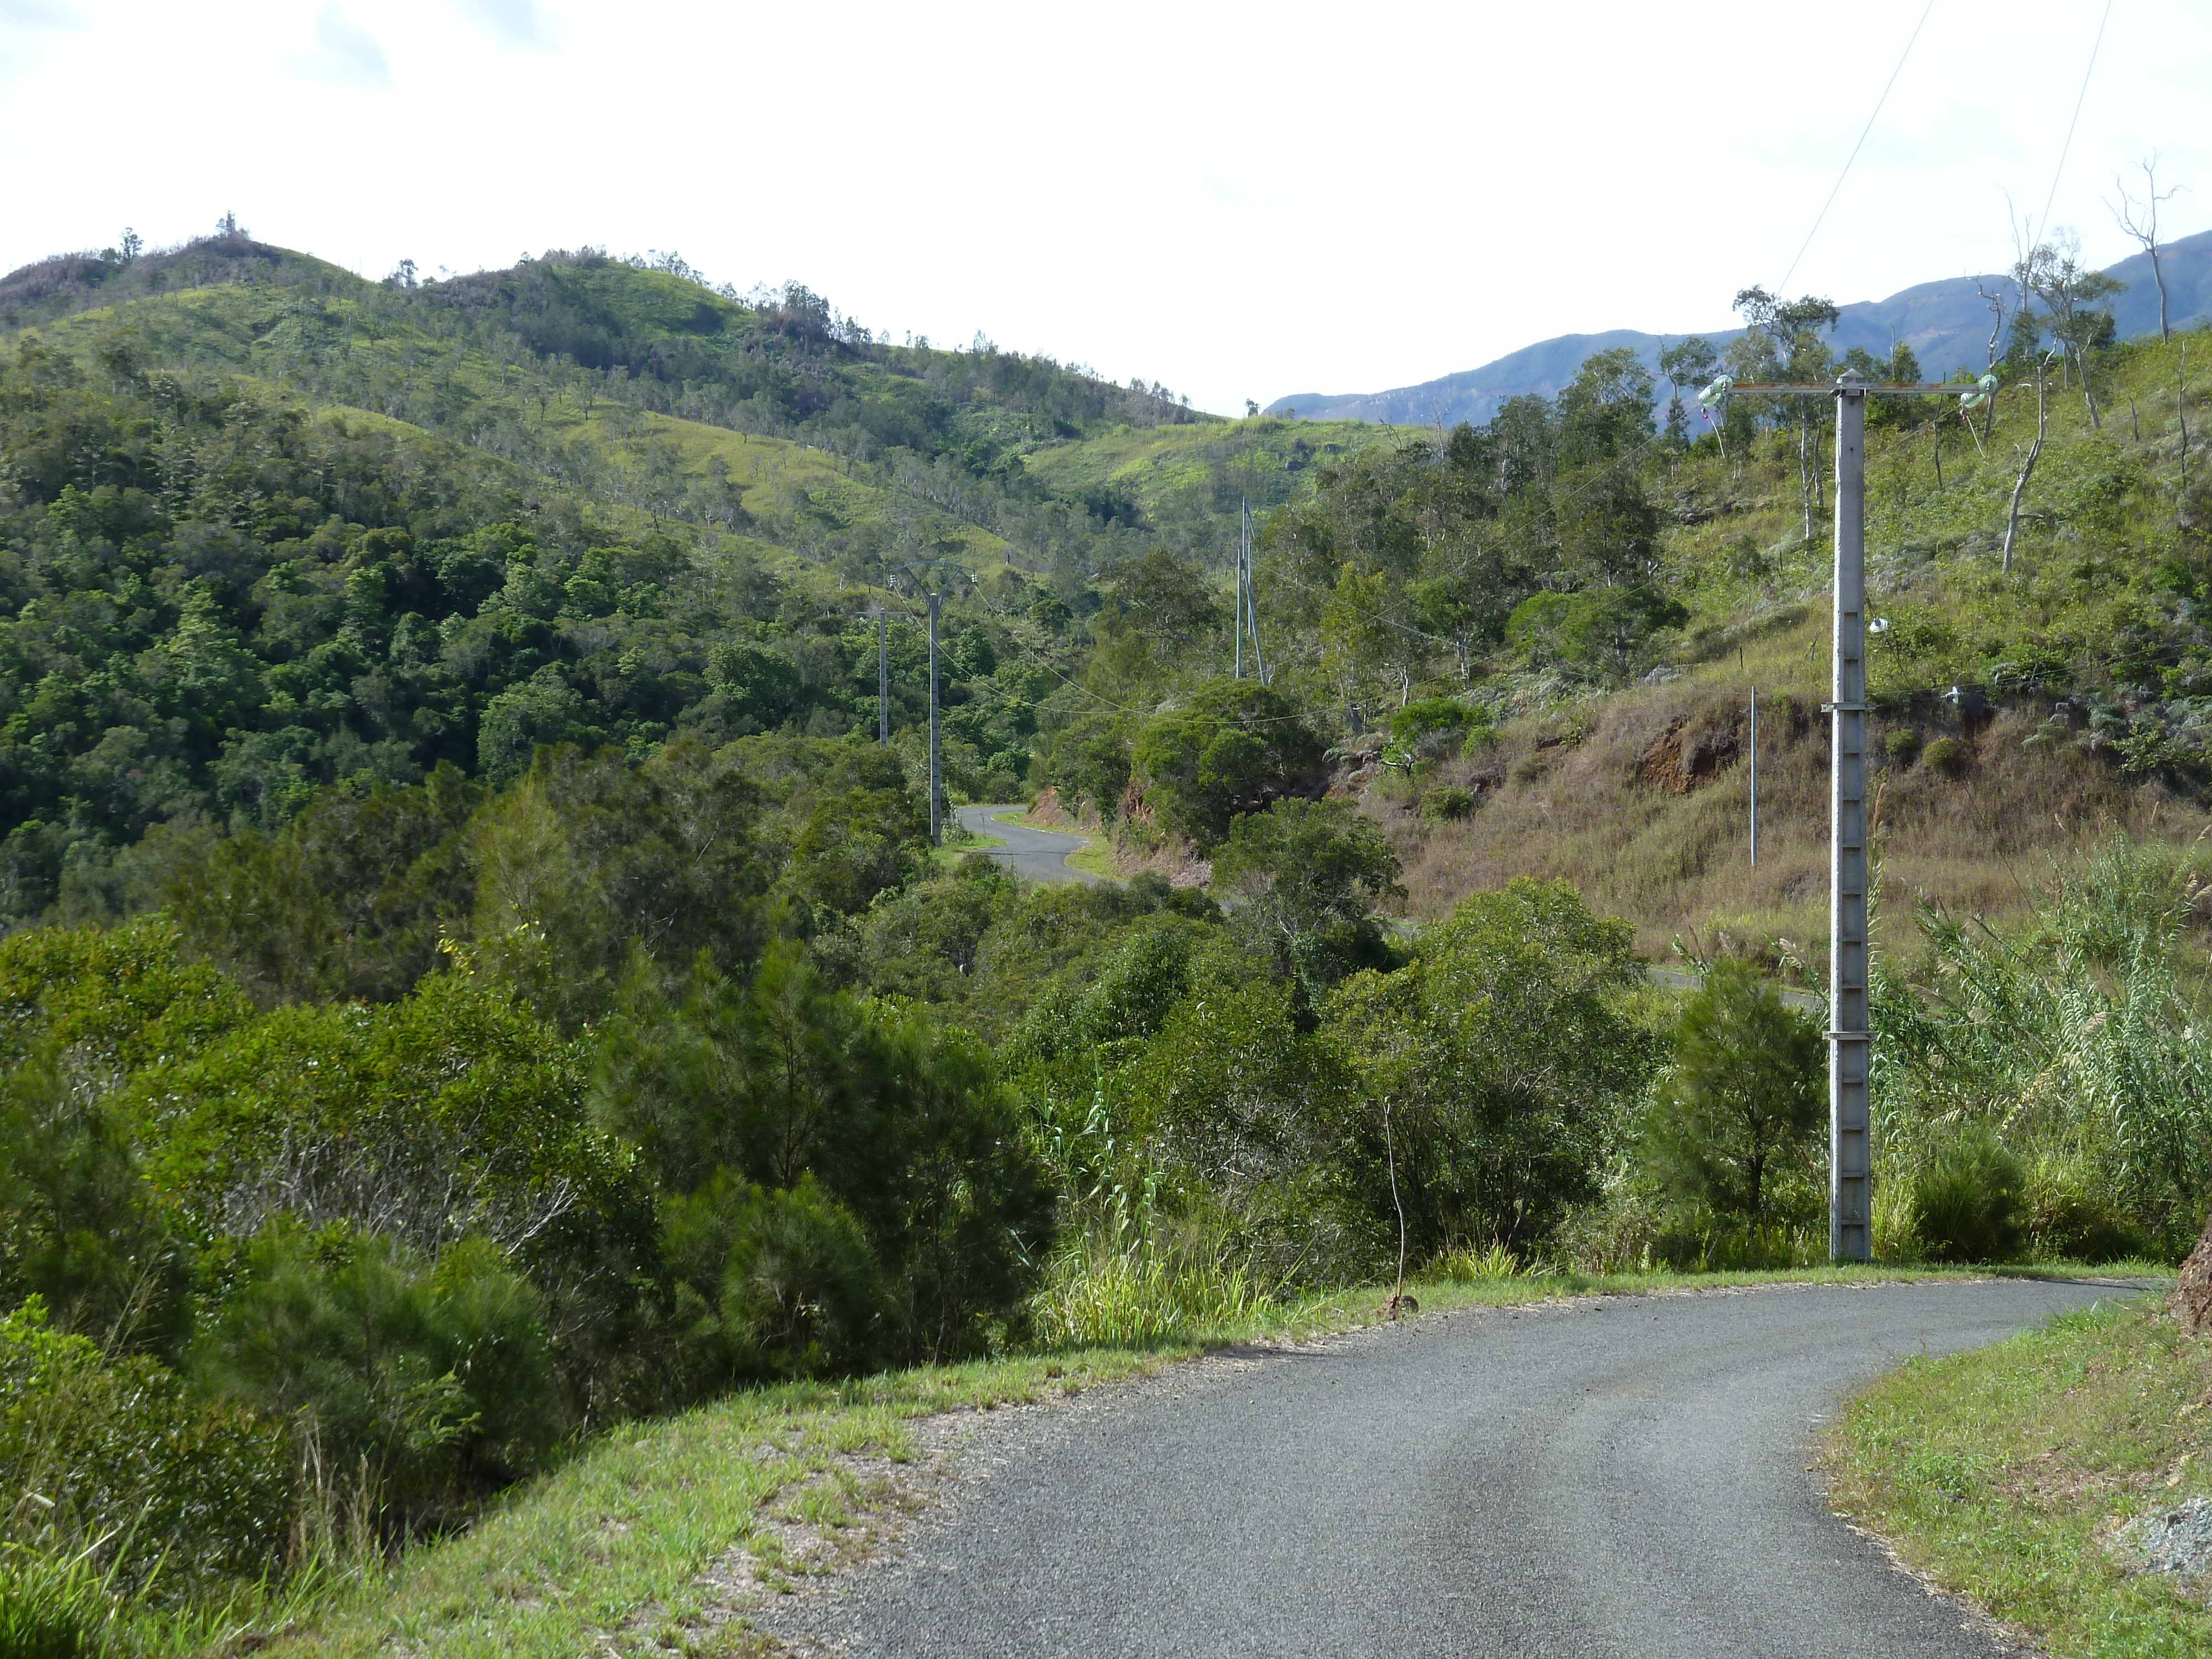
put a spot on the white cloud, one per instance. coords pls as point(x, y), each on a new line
point(345, 55)
point(519, 23)
point(29, 15)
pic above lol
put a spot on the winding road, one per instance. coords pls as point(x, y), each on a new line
point(1622, 1476)
point(1039, 854)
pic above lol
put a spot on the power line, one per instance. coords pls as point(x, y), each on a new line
point(2059, 171)
point(1854, 155)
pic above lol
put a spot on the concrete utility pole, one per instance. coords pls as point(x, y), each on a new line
point(936, 772)
point(1851, 1212)
point(1850, 1042)
point(935, 596)
point(1754, 777)
point(883, 678)
point(1244, 519)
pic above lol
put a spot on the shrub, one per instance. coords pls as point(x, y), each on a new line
point(2071, 1214)
point(1902, 745)
point(1745, 1098)
point(132, 1463)
point(771, 1282)
point(1436, 726)
point(435, 1382)
point(1946, 755)
point(1506, 1061)
point(902, 1123)
point(1967, 1200)
point(1447, 804)
point(78, 1226)
point(1303, 877)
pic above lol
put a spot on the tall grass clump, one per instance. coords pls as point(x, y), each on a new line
point(1126, 1275)
point(2052, 1086)
point(57, 1607)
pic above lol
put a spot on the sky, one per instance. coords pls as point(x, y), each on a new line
point(1239, 201)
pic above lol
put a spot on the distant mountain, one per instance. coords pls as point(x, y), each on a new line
point(1946, 324)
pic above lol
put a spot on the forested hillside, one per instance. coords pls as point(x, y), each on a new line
point(272, 529)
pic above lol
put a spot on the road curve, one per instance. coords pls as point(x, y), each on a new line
point(1619, 1477)
point(1039, 854)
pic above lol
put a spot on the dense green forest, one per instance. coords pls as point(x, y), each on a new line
point(472, 976)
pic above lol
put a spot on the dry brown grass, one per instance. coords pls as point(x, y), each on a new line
point(1606, 808)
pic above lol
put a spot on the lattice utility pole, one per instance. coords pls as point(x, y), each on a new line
point(1851, 1214)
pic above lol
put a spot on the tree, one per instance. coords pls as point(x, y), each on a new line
point(1783, 342)
point(1170, 601)
point(1235, 747)
point(1305, 877)
point(1688, 362)
point(1505, 1060)
point(1744, 1097)
point(2054, 273)
point(1605, 412)
point(2139, 221)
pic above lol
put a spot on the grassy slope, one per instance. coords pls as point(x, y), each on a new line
point(1198, 473)
point(1675, 862)
point(619, 1548)
point(1997, 1473)
point(337, 339)
point(265, 332)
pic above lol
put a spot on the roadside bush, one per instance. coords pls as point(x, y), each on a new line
point(429, 1384)
point(116, 1458)
point(2078, 1031)
point(1967, 1200)
point(902, 1124)
point(2071, 1215)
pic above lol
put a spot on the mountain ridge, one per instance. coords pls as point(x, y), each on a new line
point(1946, 322)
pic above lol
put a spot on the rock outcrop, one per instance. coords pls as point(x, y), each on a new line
point(2192, 1301)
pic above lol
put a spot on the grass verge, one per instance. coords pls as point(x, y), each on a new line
point(618, 1551)
point(1999, 1472)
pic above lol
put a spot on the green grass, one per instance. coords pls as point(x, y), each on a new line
point(612, 1550)
point(1998, 1470)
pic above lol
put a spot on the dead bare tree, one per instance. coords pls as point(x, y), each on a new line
point(2027, 461)
point(2139, 221)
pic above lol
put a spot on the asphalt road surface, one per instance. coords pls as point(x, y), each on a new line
point(1623, 1478)
point(1039, 854)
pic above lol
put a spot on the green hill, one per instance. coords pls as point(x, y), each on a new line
point(269, 527)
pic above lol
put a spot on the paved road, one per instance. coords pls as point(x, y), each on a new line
point(1039, 854)
point(1626, 1478)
